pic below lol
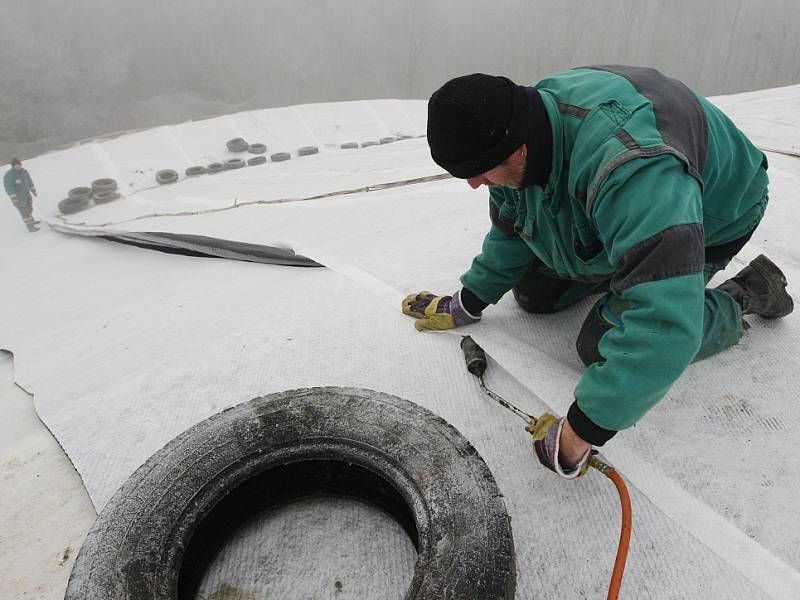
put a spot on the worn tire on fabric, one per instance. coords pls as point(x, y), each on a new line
point(105, 184)
point(257, 148)
point(194, 171)
point(237, 145)
point(234, 163)
point(80, 192)
point(73, 204)
point(105, 197)
point(165, 176)
point(156, 536)
point(256, 160)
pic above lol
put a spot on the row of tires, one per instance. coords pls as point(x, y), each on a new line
point(166, 176)
point(384, 140)
point(102, 191)
point(241, 145)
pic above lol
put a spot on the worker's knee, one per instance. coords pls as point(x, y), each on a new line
point(540, 294)
point(534, 304)
point(595, 326)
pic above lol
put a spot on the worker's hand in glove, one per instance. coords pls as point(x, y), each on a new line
point(437, 312)
point(552, 436)
point(14, 200)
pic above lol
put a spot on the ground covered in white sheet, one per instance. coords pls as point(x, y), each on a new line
point(124, 348)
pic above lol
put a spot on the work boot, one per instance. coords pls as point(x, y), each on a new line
point(760, 289)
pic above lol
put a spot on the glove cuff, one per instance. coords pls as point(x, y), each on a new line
point(578, 469)
point(586, 428)
point(471, 302)
point(461, 316)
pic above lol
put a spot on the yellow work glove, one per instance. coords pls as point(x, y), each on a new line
point(546, 438)
point(437, 312)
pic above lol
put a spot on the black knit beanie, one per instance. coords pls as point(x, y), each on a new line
point(475, 122)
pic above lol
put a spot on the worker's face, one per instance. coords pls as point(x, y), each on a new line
point(17, 167)
point(508, 173)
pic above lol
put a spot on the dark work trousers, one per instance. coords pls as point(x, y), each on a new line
point(541, 291)
point(26, 212)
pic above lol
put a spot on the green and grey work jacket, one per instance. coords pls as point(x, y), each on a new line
point(646, 174)
point(19, 184)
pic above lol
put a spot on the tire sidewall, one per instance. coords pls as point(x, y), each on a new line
point(464, 536)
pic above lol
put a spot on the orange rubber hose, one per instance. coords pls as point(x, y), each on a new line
point(625, 530)
point(476, 364)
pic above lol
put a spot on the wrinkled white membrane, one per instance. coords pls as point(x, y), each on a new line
point(125, 348)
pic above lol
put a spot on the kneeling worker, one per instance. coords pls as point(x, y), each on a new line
point(613, 180)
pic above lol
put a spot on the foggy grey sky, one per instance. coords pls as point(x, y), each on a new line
point(73, 70)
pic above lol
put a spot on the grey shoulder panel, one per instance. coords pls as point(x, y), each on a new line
point(634, 152)
point(680, 118)
point(677, 250)
point(497, 221)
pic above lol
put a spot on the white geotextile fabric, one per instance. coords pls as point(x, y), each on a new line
point(125, 348)
point(357, 551)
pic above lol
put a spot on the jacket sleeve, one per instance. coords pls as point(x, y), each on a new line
point(8, 183)
point(504, 257)
point(649, 218)
point(30, 180)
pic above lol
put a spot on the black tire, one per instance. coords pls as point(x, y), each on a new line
point(388, 139)
point(280, 156)
point(307, 151)
point(349, 145)
point(158, 533)
point(80, 192)
point(237, 145)
point(194, 171)
point(256, 160)
point(234, 163)
point(215, 167)
point(105, 197)
point(73, 204)
point(165, 176)
point(369, 143)
point(257, 148)
point(105, 184)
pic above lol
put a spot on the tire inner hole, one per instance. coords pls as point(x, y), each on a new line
point(309, 488)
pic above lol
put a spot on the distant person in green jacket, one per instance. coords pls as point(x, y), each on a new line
point(607, 180)
point(19, 186)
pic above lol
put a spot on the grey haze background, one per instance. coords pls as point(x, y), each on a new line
point(71, 70)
